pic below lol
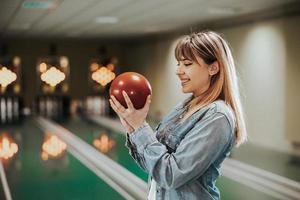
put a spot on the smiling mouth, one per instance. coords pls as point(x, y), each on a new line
point(184, 82)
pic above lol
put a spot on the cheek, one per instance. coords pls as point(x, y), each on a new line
point(200, 79)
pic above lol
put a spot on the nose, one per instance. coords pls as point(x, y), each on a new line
point(179, 71)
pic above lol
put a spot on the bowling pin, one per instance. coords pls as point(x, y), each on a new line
point(54, 107)
point(98, 106)
point(106, 106)
point(3, 110)
point(0, 111)
point(86, 105)
point(9, 110)
point(89, 105)
point(92, 105)
point(16, 108)
point(95, 106)
point(52, 112)
point(101, 105)
point(60, 107)
point(42, 106)
point(48, 107)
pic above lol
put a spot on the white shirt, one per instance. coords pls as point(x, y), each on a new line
point(152, 192)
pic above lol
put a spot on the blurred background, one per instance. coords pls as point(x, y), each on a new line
point(59, 139)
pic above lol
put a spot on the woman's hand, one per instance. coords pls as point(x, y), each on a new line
point(134, 118)
point(125, 124)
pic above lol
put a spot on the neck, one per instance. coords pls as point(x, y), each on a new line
point(196, 101)
point(201, 91)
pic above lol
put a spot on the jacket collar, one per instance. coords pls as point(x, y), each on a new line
point(184, 102)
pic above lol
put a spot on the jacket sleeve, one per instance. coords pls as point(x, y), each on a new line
point(133, 152)
point(197, 151)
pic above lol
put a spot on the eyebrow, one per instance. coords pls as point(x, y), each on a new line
point(184, 59)
point(187, 60)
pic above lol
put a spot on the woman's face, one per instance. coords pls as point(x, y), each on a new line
point(194, 76)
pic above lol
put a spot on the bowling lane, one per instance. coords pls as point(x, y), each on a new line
point(30, 177)
point(88, 131)
point(231, 190)
point(279, 163)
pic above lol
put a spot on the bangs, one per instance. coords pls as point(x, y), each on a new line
point(184, 50)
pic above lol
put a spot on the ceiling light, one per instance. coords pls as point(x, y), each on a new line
point(103, 76)
point(31, 4)
point(6, 77)
point(53, 76)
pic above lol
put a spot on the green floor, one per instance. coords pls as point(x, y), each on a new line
point(31, 178)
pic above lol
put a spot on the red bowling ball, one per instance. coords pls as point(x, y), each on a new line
point(135, 85)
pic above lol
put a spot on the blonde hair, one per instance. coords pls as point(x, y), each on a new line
point(211, 47)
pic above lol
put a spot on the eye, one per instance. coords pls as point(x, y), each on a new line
point(187, 64)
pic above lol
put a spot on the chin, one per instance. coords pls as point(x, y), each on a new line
point(185, 90)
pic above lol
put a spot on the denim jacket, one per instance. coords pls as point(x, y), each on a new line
point(186, 164)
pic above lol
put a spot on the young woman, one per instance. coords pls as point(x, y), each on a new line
point(184, 154)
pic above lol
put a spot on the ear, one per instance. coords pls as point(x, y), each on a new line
point(213, 68)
